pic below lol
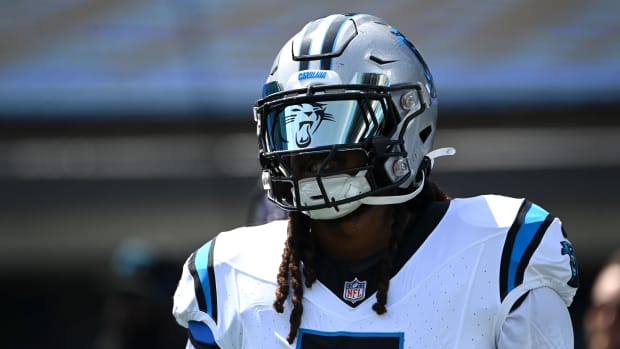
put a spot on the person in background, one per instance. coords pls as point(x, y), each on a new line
point(374, 254)
point(136, 300)
point(602, 319)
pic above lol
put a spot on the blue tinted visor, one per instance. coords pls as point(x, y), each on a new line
point(307, 122)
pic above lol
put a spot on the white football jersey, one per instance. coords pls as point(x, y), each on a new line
point(462, 269)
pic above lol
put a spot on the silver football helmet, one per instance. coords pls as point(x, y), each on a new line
point(348, 116)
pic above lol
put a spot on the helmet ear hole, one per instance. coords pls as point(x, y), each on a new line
point(425, 133)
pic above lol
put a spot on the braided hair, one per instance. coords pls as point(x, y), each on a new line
point(301, 245)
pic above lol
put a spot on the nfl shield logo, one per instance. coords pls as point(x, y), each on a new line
point(354, 291)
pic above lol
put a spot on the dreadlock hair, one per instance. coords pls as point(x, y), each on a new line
point(301, 245)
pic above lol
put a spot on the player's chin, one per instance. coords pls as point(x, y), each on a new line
point(356, 214)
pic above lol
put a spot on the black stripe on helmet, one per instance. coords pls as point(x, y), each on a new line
point(329, 40)
point(306, 42)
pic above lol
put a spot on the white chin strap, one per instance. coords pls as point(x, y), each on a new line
point(341, 187)
point(397, 199)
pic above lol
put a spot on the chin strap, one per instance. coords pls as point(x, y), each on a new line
point(397, 199)
point(437, 153)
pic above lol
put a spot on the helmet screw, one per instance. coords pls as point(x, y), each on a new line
point(410, 101)
point(400, 167)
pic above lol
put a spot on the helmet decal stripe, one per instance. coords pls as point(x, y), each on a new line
point(321, 40)
point(319, 35)
point(330, 39)
point(306, 42)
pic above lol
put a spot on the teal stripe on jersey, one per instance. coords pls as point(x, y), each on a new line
point(534, 218)
point(202, 268)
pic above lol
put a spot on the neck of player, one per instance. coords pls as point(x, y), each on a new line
point(360, 234)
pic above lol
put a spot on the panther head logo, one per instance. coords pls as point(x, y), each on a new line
point(307, 117)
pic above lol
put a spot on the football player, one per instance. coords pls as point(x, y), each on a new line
point(373, 254)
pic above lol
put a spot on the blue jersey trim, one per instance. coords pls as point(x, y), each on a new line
point(522, 240)
point(200, 266)
point(534, 218)
point(352, 334)
point(201, 332)
point(355, 338)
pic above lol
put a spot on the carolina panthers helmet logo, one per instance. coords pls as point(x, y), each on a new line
point(307, 117)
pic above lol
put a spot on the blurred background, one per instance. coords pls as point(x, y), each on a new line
point(127, 141)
